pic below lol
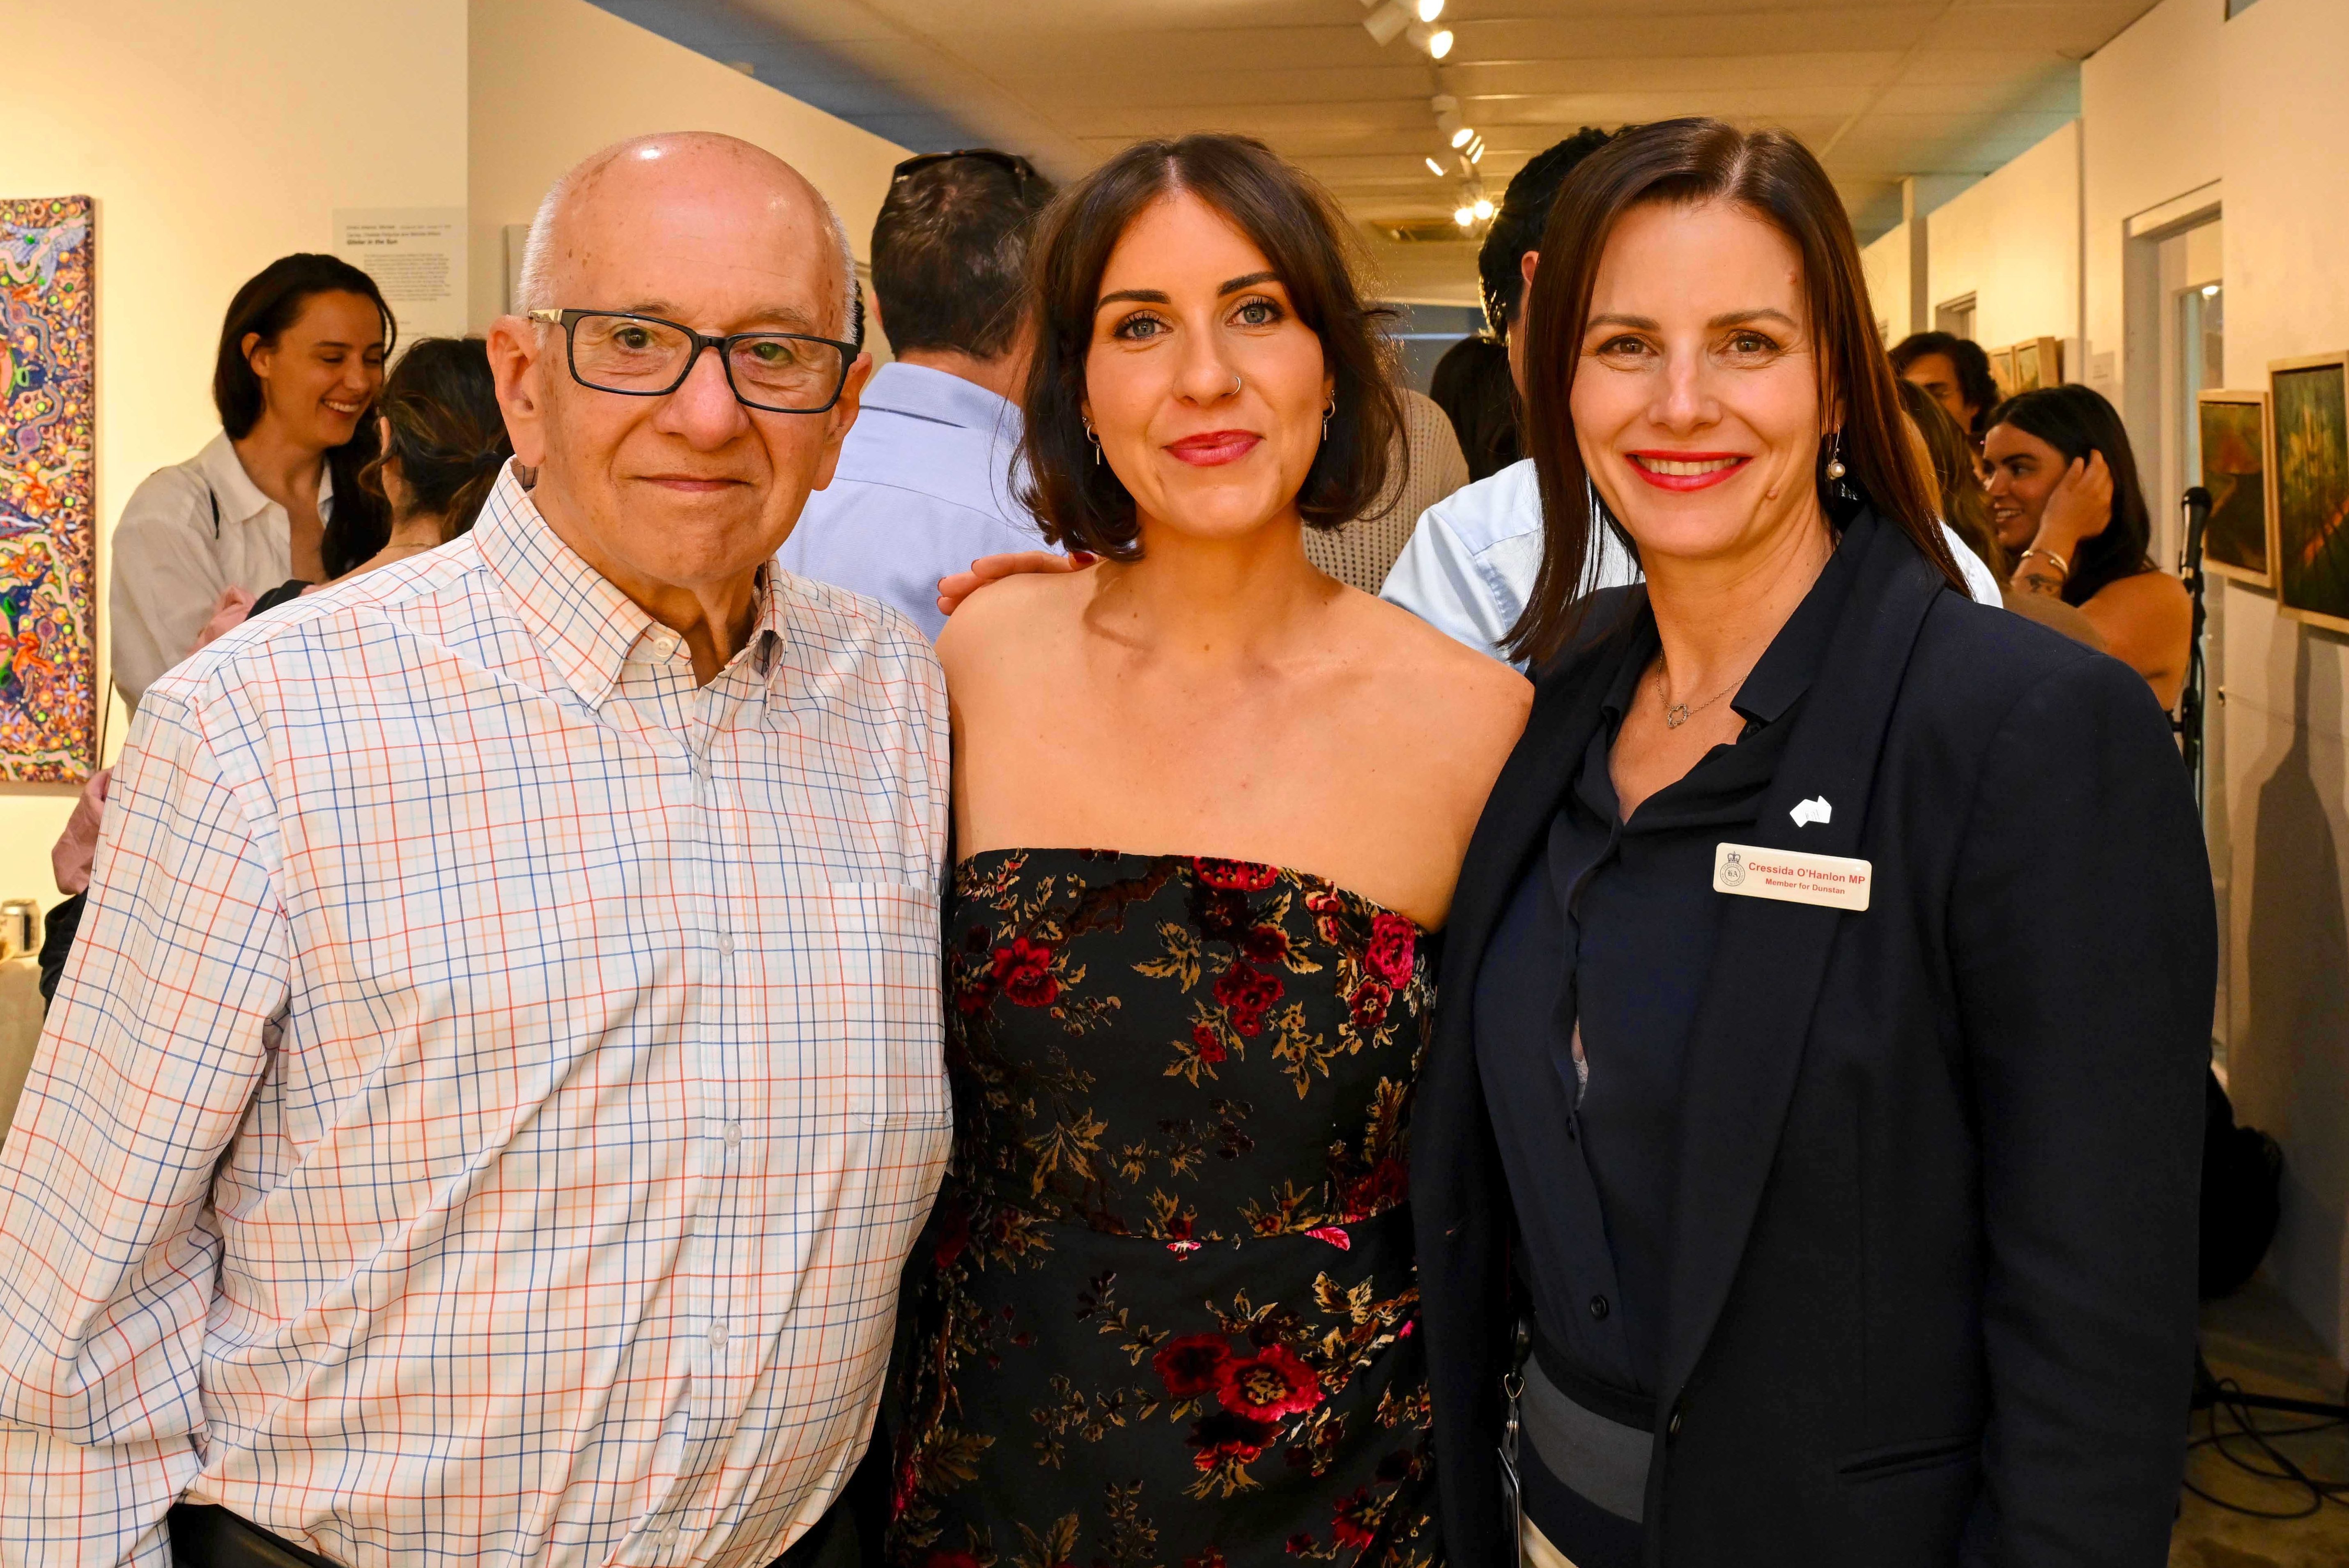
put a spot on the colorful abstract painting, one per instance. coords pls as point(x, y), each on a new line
point(2234, 430)
point(48, 532)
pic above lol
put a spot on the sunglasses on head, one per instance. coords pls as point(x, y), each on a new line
point(1018, 168)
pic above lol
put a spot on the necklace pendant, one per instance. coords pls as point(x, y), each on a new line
point(1676, 715)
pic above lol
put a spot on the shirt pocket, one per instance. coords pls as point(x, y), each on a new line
point(861, 1003)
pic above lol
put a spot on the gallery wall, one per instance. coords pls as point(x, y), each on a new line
point(215, 135)
point(2013, 241)
point(553, 81)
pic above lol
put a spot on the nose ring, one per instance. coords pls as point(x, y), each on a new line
point(1238, 382)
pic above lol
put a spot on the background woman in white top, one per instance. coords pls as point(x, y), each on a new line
point(275, 495)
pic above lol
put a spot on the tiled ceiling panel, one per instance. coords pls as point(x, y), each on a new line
point(1882, 88)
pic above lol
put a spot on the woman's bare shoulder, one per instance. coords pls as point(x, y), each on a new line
point(1012, 620)
point(1432, 687)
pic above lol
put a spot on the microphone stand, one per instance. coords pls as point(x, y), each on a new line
point(2193, 701)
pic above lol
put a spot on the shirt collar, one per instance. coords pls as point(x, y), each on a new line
point(1786, 666)
point(239, 497)
point(920, 392)
point(578, 618)
point(1791, 660)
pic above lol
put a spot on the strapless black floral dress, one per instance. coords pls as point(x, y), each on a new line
point(1165, 1313)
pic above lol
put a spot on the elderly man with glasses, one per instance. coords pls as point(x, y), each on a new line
point(499, 1079)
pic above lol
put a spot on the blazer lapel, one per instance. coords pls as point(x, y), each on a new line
point(1566, 712)
point(1745, 1048)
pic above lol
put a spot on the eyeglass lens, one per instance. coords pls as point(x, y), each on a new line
point(632, 354)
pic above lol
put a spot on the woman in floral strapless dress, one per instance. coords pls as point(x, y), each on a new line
point(1169, 1302)
point(1166, 1313)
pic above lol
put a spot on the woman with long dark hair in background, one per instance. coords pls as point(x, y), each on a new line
point(276, 493)
point(2066, 501)
point(1817, 1076)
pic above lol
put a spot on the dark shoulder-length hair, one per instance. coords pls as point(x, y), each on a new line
point(1081, 502)
point(448, 433)
point(1774, 176)
point(2077, 420)
point(270, 302)
point(1965, 504)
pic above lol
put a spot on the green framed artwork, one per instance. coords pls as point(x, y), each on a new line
point(2234, 431)
point(2308, 454)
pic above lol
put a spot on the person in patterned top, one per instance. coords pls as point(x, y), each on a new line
point(1211, 804)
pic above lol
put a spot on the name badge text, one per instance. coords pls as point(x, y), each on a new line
point(1832, 881)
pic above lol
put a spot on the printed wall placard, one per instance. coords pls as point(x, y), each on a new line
point(48, 530)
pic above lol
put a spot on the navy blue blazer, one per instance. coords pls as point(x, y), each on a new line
point(1932, 1282)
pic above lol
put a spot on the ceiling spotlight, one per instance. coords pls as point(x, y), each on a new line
point(1387, 18)
point(1434, 168)
point(1463, 137)
point(1482, 208)
point(1476, 150)
point(1436, 41)
point(1429, 10)
point(1447, 115)
point(2209, 291)
point(1463, 216)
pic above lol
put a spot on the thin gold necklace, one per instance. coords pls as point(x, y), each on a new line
point(1678, 713)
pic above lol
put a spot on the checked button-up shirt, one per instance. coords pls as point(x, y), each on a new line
point(497, 1084)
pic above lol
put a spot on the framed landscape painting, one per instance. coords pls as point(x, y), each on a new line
point(2038, 362)
point(48, 537)
point(2234, 431)
point(2308, 454)
point(2001, 370)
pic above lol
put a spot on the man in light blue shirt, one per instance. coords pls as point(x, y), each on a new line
point(925, 485)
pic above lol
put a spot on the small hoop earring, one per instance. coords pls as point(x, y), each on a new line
point(1836, 469)
point(1326, 416)
point(1095, 440)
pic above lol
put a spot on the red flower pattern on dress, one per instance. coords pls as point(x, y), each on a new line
point(1355, 1520)
point(1369, 1005)
point(1240, 875)
point(951, 1559)
point(1207, 1043)
point(1394, 940)
point(1267, 1385)
point(1227, 1436)
point(1246, 994)
point(1191, 1364)
point(1388, 1184)
point(1264, 945)
point(1024, 971)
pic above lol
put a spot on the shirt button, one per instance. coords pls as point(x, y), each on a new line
point(717, 1334)
point(1599, 1309)
point(725, 945)
point(663, 647)
point(733, 1135)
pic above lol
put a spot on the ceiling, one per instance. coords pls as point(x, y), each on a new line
point(1881, 89)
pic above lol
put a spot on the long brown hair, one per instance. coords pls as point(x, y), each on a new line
point(1965, 504)
point(1772, 175)
point(448, 435)
point(1297, 224)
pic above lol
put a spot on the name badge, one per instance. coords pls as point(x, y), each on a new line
point(1831, 881)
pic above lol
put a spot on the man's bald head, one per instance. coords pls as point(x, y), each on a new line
point(680, 496)
point(620, 182)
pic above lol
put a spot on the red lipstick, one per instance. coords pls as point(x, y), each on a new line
point(1685, 471)
point(1215, 448)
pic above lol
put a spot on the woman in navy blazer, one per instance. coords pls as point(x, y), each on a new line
point(1854, 1230)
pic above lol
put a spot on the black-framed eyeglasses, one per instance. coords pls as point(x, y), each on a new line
point(1018, 168)
point(646, 357)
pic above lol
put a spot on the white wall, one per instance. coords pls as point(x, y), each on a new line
point(215, 135)
point(553, 81)
point(1884, 262)
point(2013, 241)
point(2282, 118)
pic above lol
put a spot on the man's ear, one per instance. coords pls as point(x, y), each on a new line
point(514, 355)
point(842, 416)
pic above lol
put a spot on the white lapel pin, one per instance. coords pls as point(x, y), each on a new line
point(1815, 809)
